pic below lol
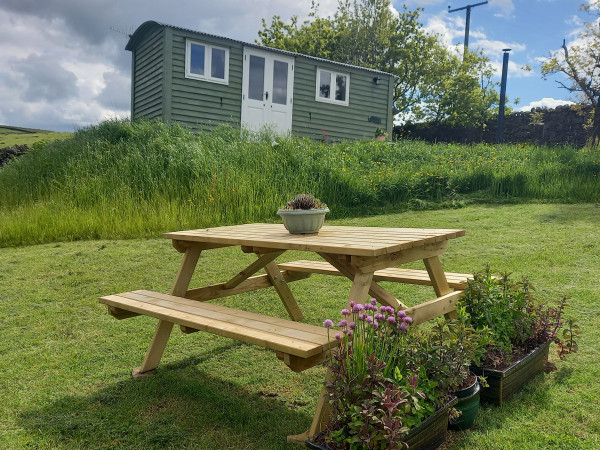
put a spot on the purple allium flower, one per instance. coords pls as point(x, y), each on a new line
point(391, 320)
point(357, 308)
point(352, 304)
point(368, 306)
point(337, 336)
point(401, 313)
point(328, 323)
point(349, 332)
point(378, 316)
point(373, 301)
point(376, 324)
point(345, 312)
point(408, 319)
point(343, 323)
point(390, 310)
point(362, 316)
point(375, 308)
point(352, 325)
point(369, 319)
point(403, 326)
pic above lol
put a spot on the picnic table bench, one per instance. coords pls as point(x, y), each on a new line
point(362, 254)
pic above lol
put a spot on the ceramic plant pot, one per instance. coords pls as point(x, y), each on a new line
point(430, 434)
point(303, 221)
point(468, 405)
point(503, 384)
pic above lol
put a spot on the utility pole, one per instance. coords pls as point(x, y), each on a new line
point(468, 22)
point(500, 132)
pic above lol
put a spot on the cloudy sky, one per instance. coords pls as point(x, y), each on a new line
point(63, 65)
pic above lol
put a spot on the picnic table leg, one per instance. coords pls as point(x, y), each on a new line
point(382, 296)
point(286, 296)
point(163, 329)
point(321, 417)
point(438, 279)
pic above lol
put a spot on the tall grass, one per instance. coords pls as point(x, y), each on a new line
point(123, 179)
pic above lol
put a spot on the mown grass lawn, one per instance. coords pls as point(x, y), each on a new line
point(65, 363)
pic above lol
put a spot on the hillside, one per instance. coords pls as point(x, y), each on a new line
point(10, 136)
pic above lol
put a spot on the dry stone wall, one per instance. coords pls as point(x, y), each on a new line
point(562, 125)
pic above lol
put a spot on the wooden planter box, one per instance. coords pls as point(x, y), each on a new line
point(503, 384)
point(430, 434)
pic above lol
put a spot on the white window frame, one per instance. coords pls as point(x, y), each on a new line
point(334, 76)
point(207, 62)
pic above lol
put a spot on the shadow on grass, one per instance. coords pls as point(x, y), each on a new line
point(179, 407)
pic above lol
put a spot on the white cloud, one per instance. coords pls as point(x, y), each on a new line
point(546, 102)
point(506, 7)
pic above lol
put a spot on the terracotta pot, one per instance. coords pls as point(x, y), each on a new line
point(503, 384)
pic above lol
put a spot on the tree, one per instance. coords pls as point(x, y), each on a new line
point(366, 33)
point(580, 63)
point(369, 33)
point(461, 93)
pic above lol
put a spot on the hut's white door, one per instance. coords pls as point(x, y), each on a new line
point(267, 88)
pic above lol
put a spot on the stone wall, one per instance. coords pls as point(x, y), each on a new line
point(562, 125)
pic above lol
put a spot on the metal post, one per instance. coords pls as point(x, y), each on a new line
point(499, 134)
point(468, 21)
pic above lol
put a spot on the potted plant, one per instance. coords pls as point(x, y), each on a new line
point(304, 214)
point(383, 393)
point(521, 330)
point(455, 347)
point(380, 134)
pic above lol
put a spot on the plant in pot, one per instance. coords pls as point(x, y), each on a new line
point(521, 330)
point(304, 214)
point(381, 393)
point(380, 134)
point(455, 346)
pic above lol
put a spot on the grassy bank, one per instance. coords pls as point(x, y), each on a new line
point(64, 371)
point(128, 180)
point(10, 136)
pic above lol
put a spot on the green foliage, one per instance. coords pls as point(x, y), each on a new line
point(580, 64)
point(516, 320)
point(124, 179)
point(430, 81)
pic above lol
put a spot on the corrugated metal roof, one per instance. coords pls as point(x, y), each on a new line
point(150, 23)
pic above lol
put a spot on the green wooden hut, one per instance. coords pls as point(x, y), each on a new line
point(201, 80)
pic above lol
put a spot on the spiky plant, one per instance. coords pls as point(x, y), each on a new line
point(304, 201)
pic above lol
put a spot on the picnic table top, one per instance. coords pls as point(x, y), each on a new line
point(346, 240)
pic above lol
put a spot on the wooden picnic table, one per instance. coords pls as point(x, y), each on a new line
point(365, 255)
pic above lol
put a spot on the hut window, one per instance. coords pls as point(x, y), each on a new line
point(206, 62)
point(332, 87)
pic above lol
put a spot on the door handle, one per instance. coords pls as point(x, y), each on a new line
point(267, 95)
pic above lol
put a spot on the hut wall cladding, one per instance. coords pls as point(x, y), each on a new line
point(562, 125)
point(148, 76)
point(323, 121)
point(202, 104)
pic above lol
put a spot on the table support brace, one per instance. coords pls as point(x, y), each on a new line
point(163, 329)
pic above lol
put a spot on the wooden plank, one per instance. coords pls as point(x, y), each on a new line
point(243, 319)
point(276, 341)
point(361, 286)
point(360, 241)
point(364, 264)
point(254, 283)
point(286, 296)
point(121, 314)
point(392, 274)
point(443, 305)
point(261, 262)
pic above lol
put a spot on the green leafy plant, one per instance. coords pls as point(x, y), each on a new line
point(380, 132)
point(304, 201)
point(385, 380)
point(517, 321)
